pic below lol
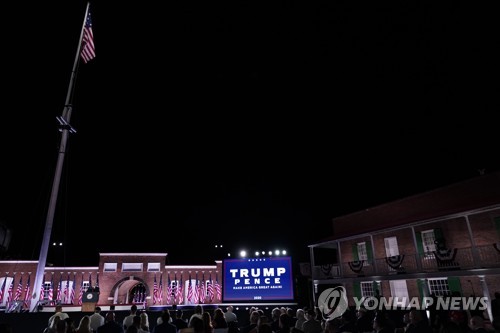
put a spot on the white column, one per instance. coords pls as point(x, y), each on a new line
point(486, 294)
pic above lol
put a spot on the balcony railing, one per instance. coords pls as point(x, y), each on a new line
point(445, 260)
point(488, 256)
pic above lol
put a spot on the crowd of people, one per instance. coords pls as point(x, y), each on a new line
point(138, 322)
point(276, 320)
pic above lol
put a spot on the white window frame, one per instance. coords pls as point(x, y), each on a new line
point(367, 289)
point(362, 253)
point(132, 267)
point(428, 239)
point(438, 286)
point(110, 267)
point(391, 246)
point(399, 289)
point(153, 266)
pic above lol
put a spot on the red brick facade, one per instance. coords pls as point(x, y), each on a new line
point(443, 242)
point(122, 278)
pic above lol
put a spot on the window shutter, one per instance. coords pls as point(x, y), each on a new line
point(420, 246)
point(455, 285)
point(438, 236)
point(369, 252)
point(375, 288)
point(497, 224)
point(421, 290)
point(356, 286)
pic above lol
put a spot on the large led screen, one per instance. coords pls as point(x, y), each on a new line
point(258, 279)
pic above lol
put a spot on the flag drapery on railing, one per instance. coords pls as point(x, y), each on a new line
point(27, 290)
point(90, 280)
point(19, 290)
point(88, 49)
point(155, 291)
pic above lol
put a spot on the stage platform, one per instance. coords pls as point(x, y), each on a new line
point(154, 308)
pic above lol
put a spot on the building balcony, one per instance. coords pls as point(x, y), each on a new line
point(456, 259)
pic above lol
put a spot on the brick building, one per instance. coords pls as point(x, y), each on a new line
point(442, 242)
point(122, 279)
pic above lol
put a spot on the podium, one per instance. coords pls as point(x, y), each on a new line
point(89, 300)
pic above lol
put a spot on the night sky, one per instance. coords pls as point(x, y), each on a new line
point(243, 123)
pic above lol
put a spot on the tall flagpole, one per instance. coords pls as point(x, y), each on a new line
point(65, 129)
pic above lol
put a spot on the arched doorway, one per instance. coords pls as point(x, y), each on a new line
point(129, 290)
point(137, 294)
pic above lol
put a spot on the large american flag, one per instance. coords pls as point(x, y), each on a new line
point(19, 290)
point(87, 51)
point(155, 291)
